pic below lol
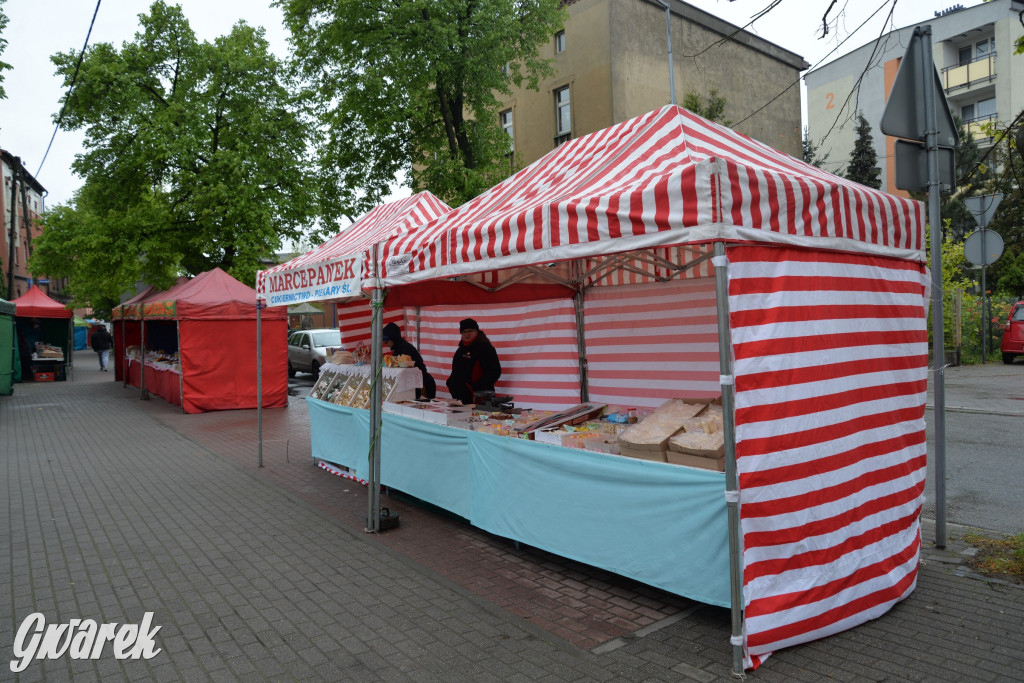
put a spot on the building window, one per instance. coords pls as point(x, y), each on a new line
point(504, 69)
point(984, 48)
point(967, 113)
point(964, 56)
point(560, 42)
point(987, 108)
point(506, 123)
point(563, 116)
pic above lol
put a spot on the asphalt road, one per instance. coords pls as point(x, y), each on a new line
point(984, 471)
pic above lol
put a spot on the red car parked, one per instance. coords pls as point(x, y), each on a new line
point(1013, 335)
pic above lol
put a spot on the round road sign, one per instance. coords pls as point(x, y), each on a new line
point(993, 247)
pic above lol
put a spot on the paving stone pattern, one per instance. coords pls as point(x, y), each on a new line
point(117, 506)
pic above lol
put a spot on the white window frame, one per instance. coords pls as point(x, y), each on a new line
point(560, 41)
point(508, 125)
point(563, 106)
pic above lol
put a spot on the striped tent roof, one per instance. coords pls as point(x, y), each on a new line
point(666, 178)
point(397, 218)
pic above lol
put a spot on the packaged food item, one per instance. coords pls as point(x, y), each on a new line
point(342, 357)
point(653, 432)
point(699, 443)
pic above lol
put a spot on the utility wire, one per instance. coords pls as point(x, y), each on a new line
point(797, 81)
point(74, 79)
point(766, 10)
point(867, 67)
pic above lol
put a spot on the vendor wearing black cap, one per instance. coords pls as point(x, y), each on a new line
point(475, 366)
point(399, 346)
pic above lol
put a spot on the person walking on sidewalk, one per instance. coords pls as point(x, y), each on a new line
point(101, 344)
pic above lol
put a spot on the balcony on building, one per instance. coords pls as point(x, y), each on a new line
point(980, 70)
point(972, 61)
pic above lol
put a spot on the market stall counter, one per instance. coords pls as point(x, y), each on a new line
point(163, 374)
point(623, 514)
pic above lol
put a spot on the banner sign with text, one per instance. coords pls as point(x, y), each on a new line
point(334, 279)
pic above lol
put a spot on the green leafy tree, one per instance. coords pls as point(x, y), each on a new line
point(972, 176)
point(1008, 220)
point(195, 158)
point(409, 87)
point(810, 150)
point(863, 166)
point(1011, 273)
point(4, 66)
point(711, 106)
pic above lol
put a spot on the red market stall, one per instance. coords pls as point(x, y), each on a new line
point(127, 330)
point(802, 300)
point(192, 345)
point(45, 334)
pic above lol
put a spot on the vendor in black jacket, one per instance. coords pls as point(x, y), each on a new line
point(475, 366)
point(399, 347)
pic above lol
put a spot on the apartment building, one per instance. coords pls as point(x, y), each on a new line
point(22, 196)
point(974, 54)
point(611, 64)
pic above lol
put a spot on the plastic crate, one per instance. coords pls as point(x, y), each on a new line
point(43, 376)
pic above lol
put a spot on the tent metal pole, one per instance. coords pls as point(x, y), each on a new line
point(142, 361)
point(181, 370)
point(581, 342)
point(376, 361)
point(259, 383)
point(69, 360)
point(732, 500)
point(124, 352)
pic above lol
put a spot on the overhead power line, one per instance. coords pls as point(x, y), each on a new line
point(820, 61)
point(74, 79)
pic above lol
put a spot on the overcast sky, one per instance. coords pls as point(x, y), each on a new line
point(41, 28)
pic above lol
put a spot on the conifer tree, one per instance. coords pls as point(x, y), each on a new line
point(863, 167)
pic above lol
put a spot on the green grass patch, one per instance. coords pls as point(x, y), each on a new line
point(999, 557)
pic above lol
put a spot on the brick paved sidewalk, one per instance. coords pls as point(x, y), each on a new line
point(119, 506)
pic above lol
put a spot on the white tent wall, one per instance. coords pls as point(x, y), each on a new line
point(536, 344)
point(353, 320)
point(831, 372)
point(645, 343)
point(652, 342)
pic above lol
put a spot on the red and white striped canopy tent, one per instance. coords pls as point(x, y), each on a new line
point(666, 178)
point(335, 269)
point(822, 314)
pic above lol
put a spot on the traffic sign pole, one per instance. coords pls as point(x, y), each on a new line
point(938, 324)
point(984, 305)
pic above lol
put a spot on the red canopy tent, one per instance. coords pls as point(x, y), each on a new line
point(51, 315)
point(213, 317)
point(36, 304)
